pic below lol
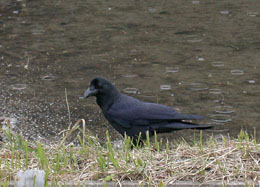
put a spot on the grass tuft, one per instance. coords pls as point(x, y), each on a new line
point(156, 162)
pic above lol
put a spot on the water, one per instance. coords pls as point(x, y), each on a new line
point(130, 90)
point(200, 57)
point(18, 86)
point(48, 77)
point(224, 109)
point(165, 87)
point(172, 69)
point(237, 72)
point(217, 63)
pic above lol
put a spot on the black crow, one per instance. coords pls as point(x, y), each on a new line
point(131, 116)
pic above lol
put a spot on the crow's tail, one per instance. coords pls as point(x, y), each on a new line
point(178, 125)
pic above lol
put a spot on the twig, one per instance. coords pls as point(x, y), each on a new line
point(68, 107)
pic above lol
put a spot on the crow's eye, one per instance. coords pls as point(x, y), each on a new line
point(99, 85)
point(96, 83)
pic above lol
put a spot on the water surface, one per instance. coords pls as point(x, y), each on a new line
point(201, 57)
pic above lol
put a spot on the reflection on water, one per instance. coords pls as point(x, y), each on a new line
point(200, 57)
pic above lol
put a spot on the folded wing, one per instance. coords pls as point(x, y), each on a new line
point(130, 111)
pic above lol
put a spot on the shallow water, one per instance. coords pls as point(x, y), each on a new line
point(201, 57)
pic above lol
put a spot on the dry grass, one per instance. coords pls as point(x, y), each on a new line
point(229, 159)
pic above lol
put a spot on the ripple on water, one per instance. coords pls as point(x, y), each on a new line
point(129, 75)
point(226, 109)
point(217, 63)
point(48, 77)
point(193, 38)
point(252, 14)
point(221, 118)
point(201, 59)
point(215, 91)
point(198, 86)
point(172, 69)
point(237, 72)
point(224, 12)
point(131, 90)
point(195, 2)
point(18, 86)
point(36, 32)
point(165, 87)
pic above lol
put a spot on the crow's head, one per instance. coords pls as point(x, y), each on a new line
point(98, 87)
point(105, 92)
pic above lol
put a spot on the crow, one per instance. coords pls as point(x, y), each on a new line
point(133, 117)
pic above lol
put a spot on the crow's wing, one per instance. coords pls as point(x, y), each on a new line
point(129, 111)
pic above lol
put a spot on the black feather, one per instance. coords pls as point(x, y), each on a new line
point(132, 116)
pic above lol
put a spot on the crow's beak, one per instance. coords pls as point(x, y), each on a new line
point(90, 92)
